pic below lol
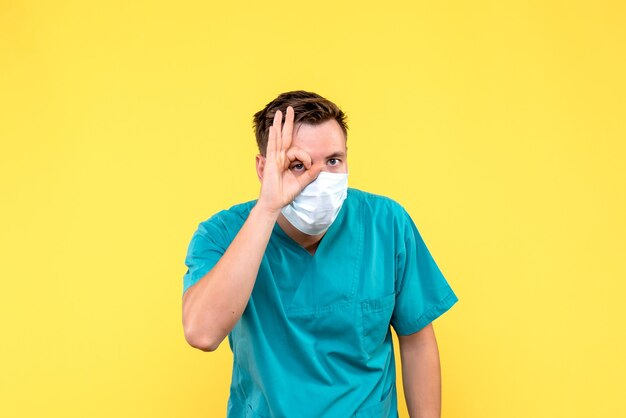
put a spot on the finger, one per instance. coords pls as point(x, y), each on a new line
point(270, 150)
point(278, 118)
point(288, 128)
point(295, 153)
point(308, 176)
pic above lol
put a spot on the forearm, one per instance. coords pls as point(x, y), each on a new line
point(421, 375)
point(213, 305)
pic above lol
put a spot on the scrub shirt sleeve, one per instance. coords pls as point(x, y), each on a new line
point(422, 292)
point(204, 251)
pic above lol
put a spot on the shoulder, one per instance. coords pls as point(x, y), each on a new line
point(226, 221)
point(382, 218)
point(376, 205)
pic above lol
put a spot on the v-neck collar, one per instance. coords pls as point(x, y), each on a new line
point(332, 230)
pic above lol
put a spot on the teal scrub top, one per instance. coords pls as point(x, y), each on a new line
point(314, 339)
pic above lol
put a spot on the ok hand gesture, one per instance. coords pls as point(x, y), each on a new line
point(280, 185)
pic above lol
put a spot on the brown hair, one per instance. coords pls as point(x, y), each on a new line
point(309, 108)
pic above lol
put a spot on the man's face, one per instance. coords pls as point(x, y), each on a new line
point(325, 143)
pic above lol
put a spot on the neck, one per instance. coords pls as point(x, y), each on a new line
point(306, 241)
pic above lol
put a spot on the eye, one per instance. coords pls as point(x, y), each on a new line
point(333, 161)
point(297, 167)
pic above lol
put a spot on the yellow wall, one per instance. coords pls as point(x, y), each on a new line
point(499, 125)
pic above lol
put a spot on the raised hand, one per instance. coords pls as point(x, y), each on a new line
point(280, 185)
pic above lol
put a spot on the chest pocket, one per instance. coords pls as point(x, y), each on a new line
point(387, 407)
point(375, 319)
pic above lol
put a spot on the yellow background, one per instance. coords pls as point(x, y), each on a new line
point(499, 125)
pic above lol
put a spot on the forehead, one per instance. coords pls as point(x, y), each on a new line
point(320, 140)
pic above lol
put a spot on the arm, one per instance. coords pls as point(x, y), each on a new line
point(421, 373)
point(213, 305)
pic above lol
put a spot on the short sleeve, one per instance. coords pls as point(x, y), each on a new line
point(422, 292)
point(205, 249)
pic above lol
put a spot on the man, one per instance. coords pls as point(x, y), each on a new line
point(306, 280)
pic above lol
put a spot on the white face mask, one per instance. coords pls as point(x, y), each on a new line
point(317, 206)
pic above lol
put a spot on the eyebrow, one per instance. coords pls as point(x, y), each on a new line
point(336, 154)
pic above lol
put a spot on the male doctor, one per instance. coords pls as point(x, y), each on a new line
point(306, 280)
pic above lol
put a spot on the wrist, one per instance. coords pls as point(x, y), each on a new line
point(265, 211)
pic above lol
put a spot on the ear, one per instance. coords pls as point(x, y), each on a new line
point(260, 165)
